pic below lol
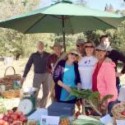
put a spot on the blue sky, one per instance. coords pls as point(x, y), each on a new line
point(100, 4)
point(96, 4)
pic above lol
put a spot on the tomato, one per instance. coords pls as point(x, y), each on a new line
point(10, 120)
point(20, 113)
point(5, 118)
point(2, 122)
point(123, 113)
point(10, 112)
point(14, 116)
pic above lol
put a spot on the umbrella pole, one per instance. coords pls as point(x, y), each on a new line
point(63, 32)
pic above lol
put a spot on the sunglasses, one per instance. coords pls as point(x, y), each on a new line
point(89, 46)
point(73, 54)
point(100, 50)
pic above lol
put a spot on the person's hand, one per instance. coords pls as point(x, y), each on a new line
point(68, 89)
point(118, 74)
point(22, 80)
point(79, 86)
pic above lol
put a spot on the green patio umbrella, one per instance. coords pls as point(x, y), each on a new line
point(62, 17)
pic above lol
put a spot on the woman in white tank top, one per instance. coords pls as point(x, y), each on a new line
point(87, 65)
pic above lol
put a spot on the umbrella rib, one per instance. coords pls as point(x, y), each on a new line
point(65, 17)
point(105, 22)
point(34, 24)
point(59, 17)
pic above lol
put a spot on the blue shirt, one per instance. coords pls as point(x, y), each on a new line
point(69, 80)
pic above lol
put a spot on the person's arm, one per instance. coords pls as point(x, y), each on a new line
point(57, 72)
point(28, 66)
point(61, 84)
point(57, 75)
point(110, 81)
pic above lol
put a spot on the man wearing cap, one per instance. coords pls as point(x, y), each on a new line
point(80, 46)
point(39, 59)
point(115, 56)
point(54, 58)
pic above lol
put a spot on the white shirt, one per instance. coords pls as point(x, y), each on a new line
point(86, 67)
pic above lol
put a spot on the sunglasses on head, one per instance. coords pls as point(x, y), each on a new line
point(73, 54)
point(89, 46)
point(100, 50)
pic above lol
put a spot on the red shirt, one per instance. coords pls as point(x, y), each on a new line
point(94, 77)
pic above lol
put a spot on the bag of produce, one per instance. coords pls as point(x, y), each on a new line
point(86, 120)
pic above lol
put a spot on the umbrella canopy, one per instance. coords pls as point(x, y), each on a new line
point(63, 17)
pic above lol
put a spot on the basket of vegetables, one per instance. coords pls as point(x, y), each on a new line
point(118, 111)
point(8, 80)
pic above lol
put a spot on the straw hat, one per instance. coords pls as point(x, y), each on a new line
point(57, 44)
point(74, 52)
point(80, 41)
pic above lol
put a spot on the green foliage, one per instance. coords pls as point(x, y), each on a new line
point(117, 36)
point(13, 43)
point(93, 98)
point(85, 94)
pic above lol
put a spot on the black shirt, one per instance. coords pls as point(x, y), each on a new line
point(117, 56)
point(39, 60)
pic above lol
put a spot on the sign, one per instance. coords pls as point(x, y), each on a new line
point(107, 119)
point(49, 120)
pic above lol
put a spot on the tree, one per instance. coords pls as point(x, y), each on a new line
point(12, 42)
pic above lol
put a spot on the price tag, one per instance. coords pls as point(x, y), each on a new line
point(50, 120)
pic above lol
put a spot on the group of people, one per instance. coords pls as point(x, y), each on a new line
point(85, 67)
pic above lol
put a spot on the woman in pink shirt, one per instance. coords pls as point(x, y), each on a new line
point(104, 76)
